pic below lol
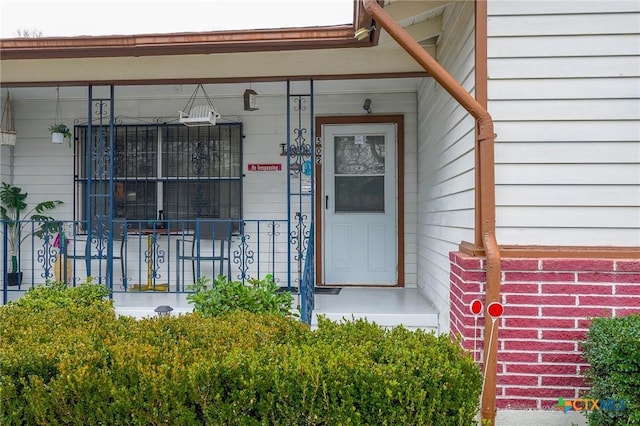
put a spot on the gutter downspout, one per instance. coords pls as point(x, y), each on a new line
point(486, 138)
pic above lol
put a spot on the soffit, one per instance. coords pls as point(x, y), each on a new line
point(421, 19)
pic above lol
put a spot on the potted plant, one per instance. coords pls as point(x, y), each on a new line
point(12, 210)
point(59, 133)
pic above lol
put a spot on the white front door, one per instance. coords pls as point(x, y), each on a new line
point(359, 196)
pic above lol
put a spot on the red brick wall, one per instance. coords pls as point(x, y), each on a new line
point(547, 306)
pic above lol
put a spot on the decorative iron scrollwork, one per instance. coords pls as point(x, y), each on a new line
point(243, 257)
point(47, 256)
point(200, 158)
point(154, 257)
point(299, 103)
point(100, 155)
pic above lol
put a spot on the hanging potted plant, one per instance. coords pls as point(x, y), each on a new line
point(60, 133)
point(7, 126)
point(12, 205)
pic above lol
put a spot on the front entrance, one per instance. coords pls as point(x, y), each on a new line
point(359, 212)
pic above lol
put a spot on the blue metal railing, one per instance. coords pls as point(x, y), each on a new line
point(307, 285)
point(149, 256)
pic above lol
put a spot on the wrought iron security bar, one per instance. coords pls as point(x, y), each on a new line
point(165, 172)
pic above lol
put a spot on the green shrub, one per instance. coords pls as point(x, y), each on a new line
point(36, 346)
point(224, 296)
point(83, 365)
point(612, 348)
point(58, 294)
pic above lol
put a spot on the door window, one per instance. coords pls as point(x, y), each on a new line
point(359, 174)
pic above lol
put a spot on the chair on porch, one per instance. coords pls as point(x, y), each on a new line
point(208, 249)
point(95, 249)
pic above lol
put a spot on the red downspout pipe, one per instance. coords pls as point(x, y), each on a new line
point(486, 138)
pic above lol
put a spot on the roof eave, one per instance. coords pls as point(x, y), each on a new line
point(182, 43)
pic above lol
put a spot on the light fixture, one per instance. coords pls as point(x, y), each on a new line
point(362, 33)
point(163, 310)
point(367, 105)
point(250, 103)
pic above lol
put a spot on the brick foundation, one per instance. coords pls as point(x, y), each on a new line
point(548, 305)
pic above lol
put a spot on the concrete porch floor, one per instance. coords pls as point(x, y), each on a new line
point(386, 307)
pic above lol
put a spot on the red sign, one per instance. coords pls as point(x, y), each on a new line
point(476, 307)
point(265, 167)
point(495, 309)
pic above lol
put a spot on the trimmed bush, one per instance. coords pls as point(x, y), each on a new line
point(58, 294)
point(83, 365)
point(612, 348)
point(224, 296)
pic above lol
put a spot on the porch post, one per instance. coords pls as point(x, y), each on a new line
point(301, 193)
point(112, 141)
point(89, 171)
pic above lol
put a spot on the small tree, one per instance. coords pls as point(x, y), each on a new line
point(12, 204)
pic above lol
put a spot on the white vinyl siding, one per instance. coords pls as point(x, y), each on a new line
point(42, 169)
point(446, 161)
point(564, 92)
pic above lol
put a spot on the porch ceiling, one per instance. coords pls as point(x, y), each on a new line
point(218, 91)
point(271, 55)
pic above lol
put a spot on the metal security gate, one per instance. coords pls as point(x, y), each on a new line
point(300, 152)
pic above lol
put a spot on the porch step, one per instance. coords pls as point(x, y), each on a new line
point(425, 322)
point(387, 307)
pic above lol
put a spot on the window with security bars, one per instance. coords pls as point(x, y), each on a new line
point(185, 172)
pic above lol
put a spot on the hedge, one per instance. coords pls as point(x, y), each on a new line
point(83, 365)
point(612, 348)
